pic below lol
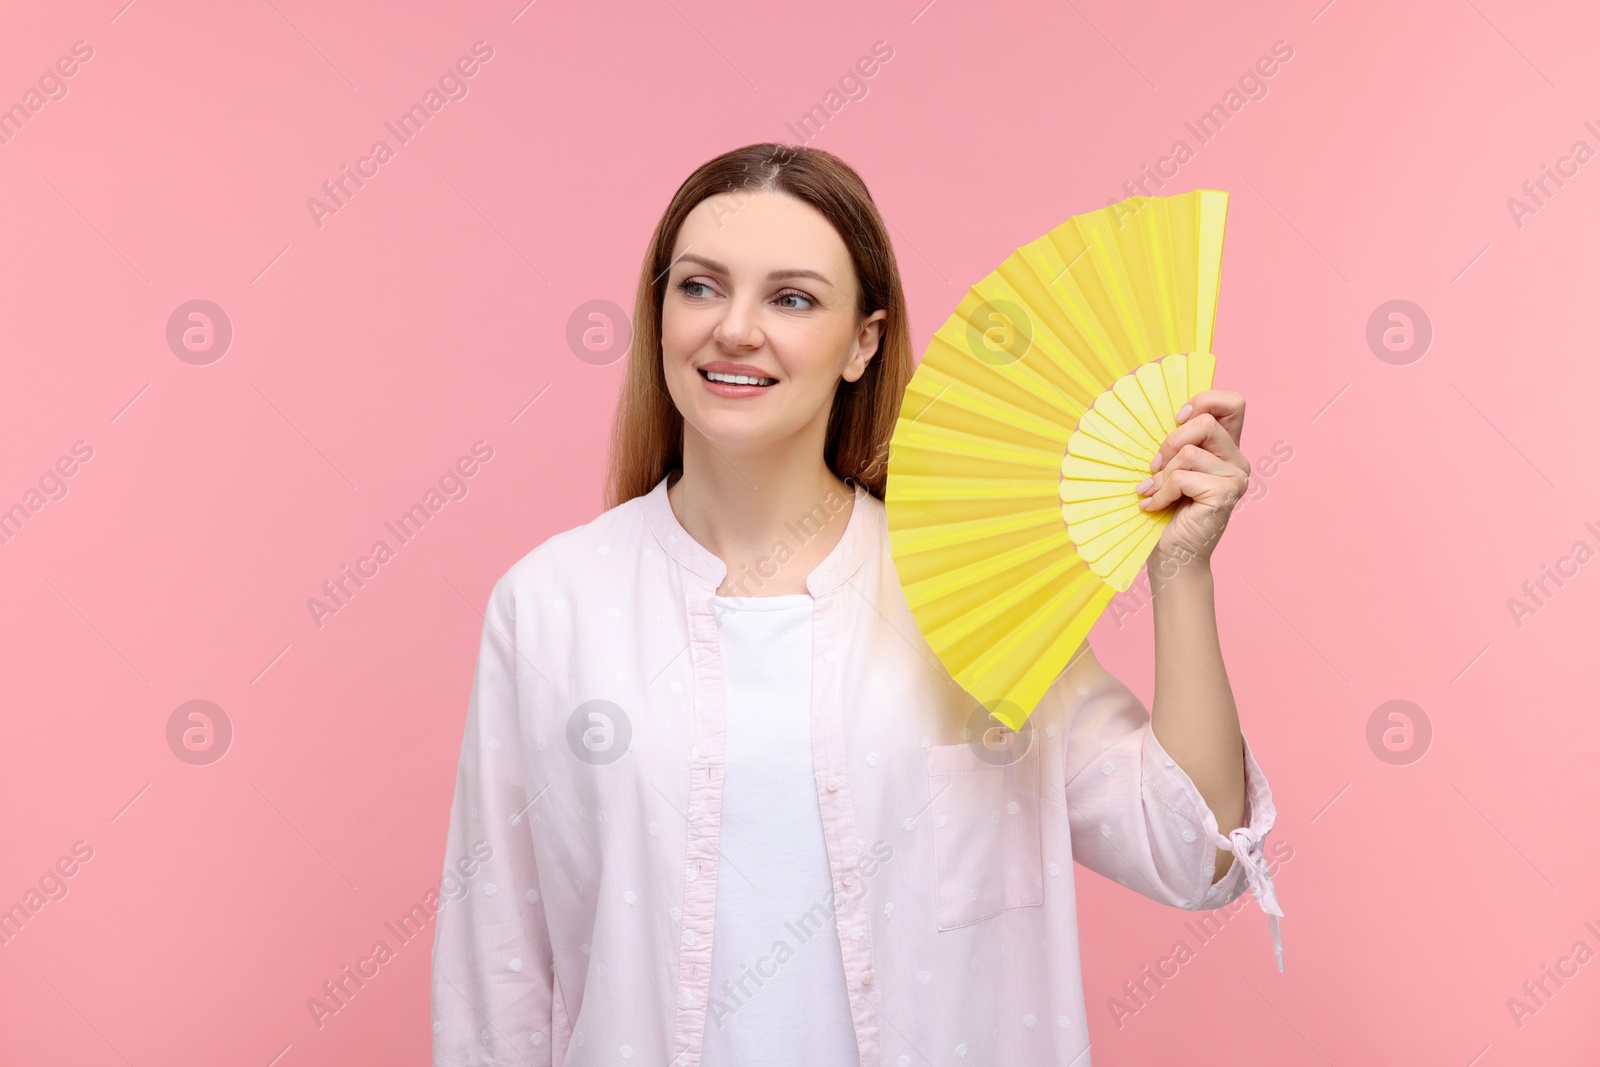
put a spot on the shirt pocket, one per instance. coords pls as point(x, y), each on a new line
point(987, 840)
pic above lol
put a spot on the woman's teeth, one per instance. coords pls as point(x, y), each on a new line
point(738, 379)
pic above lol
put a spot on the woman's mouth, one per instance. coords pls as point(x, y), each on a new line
point(736, 385)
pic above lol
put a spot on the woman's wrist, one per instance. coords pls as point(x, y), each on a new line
point(1180, 569)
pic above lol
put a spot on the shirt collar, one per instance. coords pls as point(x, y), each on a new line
point(860, 538)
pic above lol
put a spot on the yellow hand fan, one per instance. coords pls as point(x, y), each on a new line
point(1036, 409)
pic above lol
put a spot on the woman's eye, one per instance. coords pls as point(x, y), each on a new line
point(692, 288)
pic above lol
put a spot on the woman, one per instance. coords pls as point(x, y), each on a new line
point(716, 802)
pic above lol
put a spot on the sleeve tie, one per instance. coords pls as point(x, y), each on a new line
point(1246, 845)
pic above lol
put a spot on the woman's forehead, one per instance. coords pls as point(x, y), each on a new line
point(761, 231)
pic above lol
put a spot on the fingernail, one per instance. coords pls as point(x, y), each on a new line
point(1183, 412)
point(1142, 486)
point(1155, 464)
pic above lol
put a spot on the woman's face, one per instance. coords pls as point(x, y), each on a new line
point(761, 285)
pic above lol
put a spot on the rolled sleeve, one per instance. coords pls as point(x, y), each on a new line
point(1137, 818)
point(1185, 843)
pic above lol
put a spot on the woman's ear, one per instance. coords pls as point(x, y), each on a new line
point(869, 340)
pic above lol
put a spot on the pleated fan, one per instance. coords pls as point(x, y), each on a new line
point(1036, 409)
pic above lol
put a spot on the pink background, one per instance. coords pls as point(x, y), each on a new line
point(431, 311)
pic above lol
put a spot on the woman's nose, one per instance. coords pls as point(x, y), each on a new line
point(739, 327)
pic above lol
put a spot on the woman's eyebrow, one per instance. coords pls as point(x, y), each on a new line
point(774, 276)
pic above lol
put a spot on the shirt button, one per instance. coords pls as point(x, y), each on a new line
point(866, 977)
point(849, 880)
point(833, 783)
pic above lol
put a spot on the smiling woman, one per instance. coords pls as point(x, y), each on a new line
point(748, 273)
point(778, 302)
point(740, 379)
point(788, 777)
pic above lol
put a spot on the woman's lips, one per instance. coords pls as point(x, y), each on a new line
point(732, 391)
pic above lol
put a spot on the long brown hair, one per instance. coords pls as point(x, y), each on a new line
point(647, 433)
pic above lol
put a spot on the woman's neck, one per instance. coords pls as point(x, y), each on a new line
point(770, 528)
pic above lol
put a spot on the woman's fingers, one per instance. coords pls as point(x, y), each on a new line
point(1224, 405)
point(1193, 472)
point(1214, 417)
point(1204, 431)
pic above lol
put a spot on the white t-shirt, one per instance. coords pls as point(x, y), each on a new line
point(778, 995)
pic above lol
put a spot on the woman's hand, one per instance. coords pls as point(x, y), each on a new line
point(1201, 468)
